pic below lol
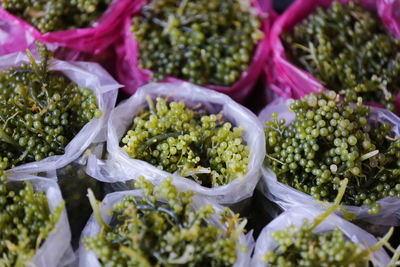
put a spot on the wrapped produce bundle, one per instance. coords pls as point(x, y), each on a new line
point(34, 227)
point(342, 46)
point(51, 110)
point(159, 226)
point(307, 236)
point(319, 141)
point(83, 26)
point(206, 141)
point(221, 45)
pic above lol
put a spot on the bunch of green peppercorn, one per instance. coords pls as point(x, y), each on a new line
point(348, 49)
point(161, 228)
point(205, 41)
point(40, 111)
point(25, 220)
point(302, 246)
point(331, 140)
point(174, 137)
point(56, 15)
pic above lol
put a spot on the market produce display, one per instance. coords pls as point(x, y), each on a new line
point(349, 50)
point(162, 228)
point(200, 146)
point(302, 246)
point(56, 15)
point(205, 42)
point(330, 140)
point(25, 221)
point(40, 111)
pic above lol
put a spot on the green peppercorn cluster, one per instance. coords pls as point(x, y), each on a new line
point(300, 246)
point(174, 137)
point(56, 15)
point(25, 221)
point(162, 229)
point(40, 111)
point(330, 140)
point(349, 50)
point(204, 41)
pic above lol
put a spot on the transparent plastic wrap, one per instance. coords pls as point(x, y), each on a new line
point(85, 74)
point(288, 80)
point(287, 197)
point(56, 249)
point(120, 167)
point(89, 259)
point(133, 77)
point(93, 40)
point(296, 216)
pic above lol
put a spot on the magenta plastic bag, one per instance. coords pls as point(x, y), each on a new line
point(18, 35)
point(285, 78)
point(130, 75)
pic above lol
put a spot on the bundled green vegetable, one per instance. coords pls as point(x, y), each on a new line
point(25, 221)
point(40, 111)
point(56, 15)
point(162, 229)
point(348, 50)
point(300, 246)
point(205, 41)
point(330, 140)
point(174, 137)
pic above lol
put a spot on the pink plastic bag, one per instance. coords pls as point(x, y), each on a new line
point(130, 75)
point(285, 78)
point(18, 35)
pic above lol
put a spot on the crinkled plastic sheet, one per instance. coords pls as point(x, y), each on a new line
point(95, 39)
point(287, 197)
point(295, 216)
point(133, 77)
point(85, 74)
point(56, 249)
point(288, 80)
point(120, 167)
point(92, 228)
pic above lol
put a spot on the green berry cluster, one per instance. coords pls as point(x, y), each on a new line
point(56, 15)
point(330, 140)
point(348, 50)
point(25, 221)
point(162, 229)
point(40, 111)
point(174, 137)
point(300, 246)
point(203, 41)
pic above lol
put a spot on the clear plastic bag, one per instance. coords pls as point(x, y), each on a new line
point(296, 217)
point(85, 74)
point(56, 249)
point(133, 77)
point(287, 197)
point(120, 167)
point(89, 259)
point(288, 80)
point(93, 40)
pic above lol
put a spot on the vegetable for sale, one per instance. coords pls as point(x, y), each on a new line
point(198, 145)
point(162, 228)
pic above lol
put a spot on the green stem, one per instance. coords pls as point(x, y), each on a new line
point(156, 139)
point(364, 254)
point(321, 217)
point(96, 210)
point(394, 262)
point(151, 104)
